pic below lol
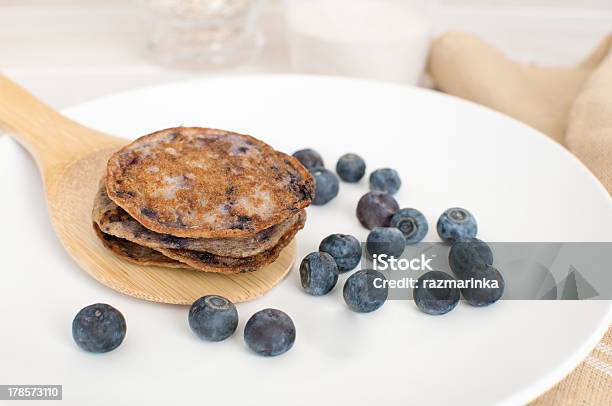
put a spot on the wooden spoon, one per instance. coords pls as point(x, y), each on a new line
point(71, 159)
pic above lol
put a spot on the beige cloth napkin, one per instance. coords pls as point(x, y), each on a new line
point(572, 105)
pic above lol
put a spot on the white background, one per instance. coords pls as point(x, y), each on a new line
point(68, 51)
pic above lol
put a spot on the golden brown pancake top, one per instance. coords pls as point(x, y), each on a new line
point(203, 183)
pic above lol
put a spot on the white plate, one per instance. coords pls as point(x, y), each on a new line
point(520, 185)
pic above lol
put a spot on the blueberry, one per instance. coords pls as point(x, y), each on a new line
point(326, 186)
point(318, 273)
point(412, 223)
point(350, 168)
point(465, 254)
point(457, 224)
point(385, 180)
point(269, 332)
point(99, 328)
point(386, 240)
point(432, 299)
point(213, 318)
point(483, 296)
point(310, 158)
point(365, 291)
point(345, 249)
point(375, 209)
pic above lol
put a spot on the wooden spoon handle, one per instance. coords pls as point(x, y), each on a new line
point(51, 138)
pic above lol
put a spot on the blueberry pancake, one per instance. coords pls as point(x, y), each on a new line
point(206, 183)
point(115, 221)
point(135, 253)
point(201, 261)
point(206, 262)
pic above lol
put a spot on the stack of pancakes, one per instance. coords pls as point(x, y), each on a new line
point(200, 198)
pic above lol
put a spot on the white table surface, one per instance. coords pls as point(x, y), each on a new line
point(69, 51)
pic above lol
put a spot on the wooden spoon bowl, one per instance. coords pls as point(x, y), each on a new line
point(71, 159)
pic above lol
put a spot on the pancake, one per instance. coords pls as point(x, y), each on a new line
point(136, 253)
point(206, 262)
point(115, 221)
point(206, 183)
point(200, 261)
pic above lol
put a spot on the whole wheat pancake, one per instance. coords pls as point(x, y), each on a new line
point(206, 262)
point(206, 183)
point(136, 253)
point(115, 221)
point(200, 261)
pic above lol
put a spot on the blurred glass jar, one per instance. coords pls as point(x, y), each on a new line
point(203, 33)
point(376, 39)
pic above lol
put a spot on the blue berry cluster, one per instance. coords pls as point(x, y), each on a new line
point(339, 253)
point(268, 332)
point(326, 182)
point(469, 258)
point(101, 328)
point(391, 229)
